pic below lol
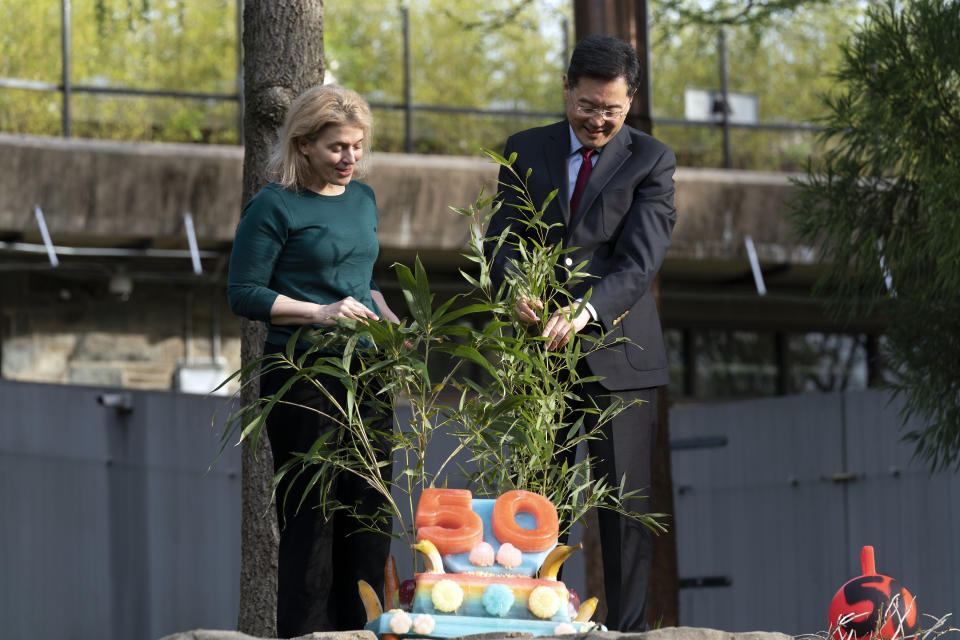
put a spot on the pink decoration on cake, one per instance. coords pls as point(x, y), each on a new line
point(482, 555)
point(509, 556)
point(424, 624)
point(400, 622)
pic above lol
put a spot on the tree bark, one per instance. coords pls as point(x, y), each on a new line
point(283, 56)
point(663, 594)
point(259, 533)
point(627, 20)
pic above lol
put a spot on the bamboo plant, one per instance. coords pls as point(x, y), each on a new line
point(510, 422)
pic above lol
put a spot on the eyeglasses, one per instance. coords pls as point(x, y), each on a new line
point(606, 114)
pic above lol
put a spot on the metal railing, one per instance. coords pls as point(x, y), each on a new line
point(67, 88)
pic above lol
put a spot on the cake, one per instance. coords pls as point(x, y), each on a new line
point(490, 566)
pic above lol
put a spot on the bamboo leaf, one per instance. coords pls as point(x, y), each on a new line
point(471, 354)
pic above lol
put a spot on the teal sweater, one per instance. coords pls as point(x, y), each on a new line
point(305, 246)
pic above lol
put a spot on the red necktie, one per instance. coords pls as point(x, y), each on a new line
point(585, 168)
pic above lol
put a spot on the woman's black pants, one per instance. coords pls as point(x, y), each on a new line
point(320, 559)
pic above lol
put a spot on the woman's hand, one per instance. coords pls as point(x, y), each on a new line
point(287, 311)
point(329, 314)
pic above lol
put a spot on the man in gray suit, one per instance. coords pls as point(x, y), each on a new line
point(615, 208)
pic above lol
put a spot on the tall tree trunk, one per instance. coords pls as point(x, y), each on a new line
point(627, 20)
point(283, 56)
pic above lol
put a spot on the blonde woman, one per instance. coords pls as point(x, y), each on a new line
point(303, 255)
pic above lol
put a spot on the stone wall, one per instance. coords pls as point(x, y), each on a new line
point(74, 331)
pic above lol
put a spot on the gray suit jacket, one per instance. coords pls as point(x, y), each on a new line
point(622, 229)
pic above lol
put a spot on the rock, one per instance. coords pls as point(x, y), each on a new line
point(338, 635)
point(667, 633)
point(208, 634)
point(212, 634)
point(687, 633)
point(497, 635)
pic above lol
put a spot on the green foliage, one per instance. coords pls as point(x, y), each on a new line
point(510, 423)
point(728, 12)
point(493, 54)
point(537, 388)
point(520, 62)
point(777, 52)
point(148, 44)
point(496, 54)
point(884, 209)
point(783, 59)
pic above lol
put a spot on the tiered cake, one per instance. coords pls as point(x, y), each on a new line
point(491, 565)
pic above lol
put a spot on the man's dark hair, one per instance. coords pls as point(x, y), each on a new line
point(607, 58)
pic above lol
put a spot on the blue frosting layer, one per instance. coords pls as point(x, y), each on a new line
point(530, 563)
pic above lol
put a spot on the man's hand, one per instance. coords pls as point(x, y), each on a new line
point(527, 310)
point(561, 326)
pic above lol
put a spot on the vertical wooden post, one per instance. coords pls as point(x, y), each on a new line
point(663, 593)
point(725, 93)
point(407, 83)
point(627, 20)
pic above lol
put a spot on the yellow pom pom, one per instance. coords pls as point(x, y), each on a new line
point(447, 596)
point(543, 602)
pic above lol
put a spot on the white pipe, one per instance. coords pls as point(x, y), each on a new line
point(106, 252)
point(47, 243)
point(755, 266)
point(887, 278)
point(192, 241)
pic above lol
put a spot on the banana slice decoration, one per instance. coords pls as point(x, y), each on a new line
point(555, 559)
point(370, 600)
point(432, 559)
point(586, 610)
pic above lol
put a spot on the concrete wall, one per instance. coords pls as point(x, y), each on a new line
point(101, 189)
point(66, 324)
point(125, 191)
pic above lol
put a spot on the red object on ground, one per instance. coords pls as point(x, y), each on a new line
point(872, 606)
